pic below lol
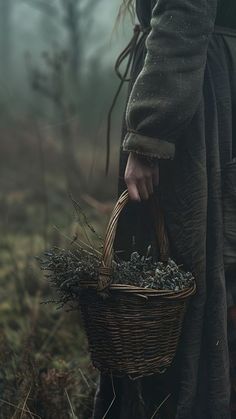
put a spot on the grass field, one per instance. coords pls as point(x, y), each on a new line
point(45, 370)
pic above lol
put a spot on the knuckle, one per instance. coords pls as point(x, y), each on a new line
point(128, 179)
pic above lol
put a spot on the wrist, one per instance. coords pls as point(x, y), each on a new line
point(149, 161)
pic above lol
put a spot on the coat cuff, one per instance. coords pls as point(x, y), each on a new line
point(148, 146)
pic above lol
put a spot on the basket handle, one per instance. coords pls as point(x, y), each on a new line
point(105, 271)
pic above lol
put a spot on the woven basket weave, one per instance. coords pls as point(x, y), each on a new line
point(131, 331)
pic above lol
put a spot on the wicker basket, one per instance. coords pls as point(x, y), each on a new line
point(134, 331)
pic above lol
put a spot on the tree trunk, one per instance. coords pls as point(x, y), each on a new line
point(5, 37)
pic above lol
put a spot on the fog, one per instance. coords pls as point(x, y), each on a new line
point(57, 83)
point(30, 27)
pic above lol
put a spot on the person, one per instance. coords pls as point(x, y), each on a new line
point(179, 142)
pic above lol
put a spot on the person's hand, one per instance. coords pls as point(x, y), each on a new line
point(140, 177)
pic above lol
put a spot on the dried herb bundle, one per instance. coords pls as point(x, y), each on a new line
point(66, 269)
point(143, 272)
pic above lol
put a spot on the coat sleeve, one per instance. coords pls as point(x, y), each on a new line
point(168, 89)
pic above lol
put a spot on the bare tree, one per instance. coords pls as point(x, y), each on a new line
point(5, 36)
point(60, 81)
point(51, 84)
point(78, 18)
point(44, 6)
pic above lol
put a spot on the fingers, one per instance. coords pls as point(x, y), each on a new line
point(140, 178)
point(143, 189)
point(133, 191)
point(139, 189)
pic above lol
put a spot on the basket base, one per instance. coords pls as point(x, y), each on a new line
point(132, 336)
point(132, 376)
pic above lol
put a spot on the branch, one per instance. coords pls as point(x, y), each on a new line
point(43, 6)
point(90, 5)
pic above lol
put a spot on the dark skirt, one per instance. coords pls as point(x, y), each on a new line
point(191, 191)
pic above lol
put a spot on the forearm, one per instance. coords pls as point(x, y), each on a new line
point(168, 90)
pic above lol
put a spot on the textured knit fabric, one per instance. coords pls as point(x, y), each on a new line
point(168, 89)
point(184, 86)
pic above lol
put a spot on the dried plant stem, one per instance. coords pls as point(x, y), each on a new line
point(79, 240)
point(25, 403)
point(160, 406)
point(79, 212)
point(114, 397)
point(70, 404)
point(19, 408)
point(84, 378)
point(90, 227)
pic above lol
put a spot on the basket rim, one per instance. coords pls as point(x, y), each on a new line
point(146, 292)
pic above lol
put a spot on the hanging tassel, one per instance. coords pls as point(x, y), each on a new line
point(127, 52)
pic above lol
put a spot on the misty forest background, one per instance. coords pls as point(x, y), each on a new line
point(56, 85)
